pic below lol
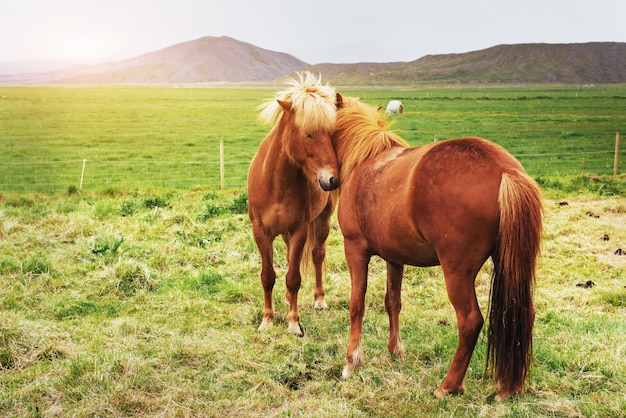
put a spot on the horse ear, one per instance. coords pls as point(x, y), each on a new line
point(339, 101)
point(284, 104)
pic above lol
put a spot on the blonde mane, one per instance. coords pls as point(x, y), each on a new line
point(361, 132)
point(314, 104)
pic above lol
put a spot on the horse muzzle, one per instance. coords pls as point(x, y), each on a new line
point(327, 181)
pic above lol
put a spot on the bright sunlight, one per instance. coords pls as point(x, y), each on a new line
point(83, 47)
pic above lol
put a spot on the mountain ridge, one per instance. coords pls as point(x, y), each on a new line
point(583, 63)
point(227, 60)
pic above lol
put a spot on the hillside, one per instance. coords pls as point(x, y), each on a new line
point(224, 59)
point(207, 59)
point(588, 63)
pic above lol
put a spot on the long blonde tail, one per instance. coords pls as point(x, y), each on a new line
point(512, 313)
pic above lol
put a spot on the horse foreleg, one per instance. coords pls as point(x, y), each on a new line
point(393, 303)
point(268, 275)
point(462, 294)
point(295, 245)
point(357, 263)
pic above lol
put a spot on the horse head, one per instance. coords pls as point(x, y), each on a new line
point(306, 116)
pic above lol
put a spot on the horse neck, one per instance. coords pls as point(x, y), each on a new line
point(353, 151)
point(277, 153)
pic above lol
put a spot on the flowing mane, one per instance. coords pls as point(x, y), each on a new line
point(314, 104)
point(361, 133)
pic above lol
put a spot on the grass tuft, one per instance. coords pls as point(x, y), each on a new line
point(106, 245)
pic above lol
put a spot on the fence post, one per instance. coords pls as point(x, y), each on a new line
point(82, 174)
point(616, 160)
point(222, 165)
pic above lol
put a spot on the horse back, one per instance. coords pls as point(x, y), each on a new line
point(415, 204)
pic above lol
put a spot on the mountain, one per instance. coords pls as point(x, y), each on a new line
point(206, 59)
point(224, 59)
point(586, 63)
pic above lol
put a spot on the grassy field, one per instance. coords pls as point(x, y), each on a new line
point(130, 137)
point(139, 295)
point(133, 138)
point(148, 303)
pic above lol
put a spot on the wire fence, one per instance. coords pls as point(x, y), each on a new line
point(97, 175)
point(55, 176)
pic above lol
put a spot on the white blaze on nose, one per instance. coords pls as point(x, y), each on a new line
point(326, 179)
point(324, 175)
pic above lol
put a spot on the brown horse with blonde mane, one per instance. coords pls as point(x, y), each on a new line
point(289, 181)
point(452, 203)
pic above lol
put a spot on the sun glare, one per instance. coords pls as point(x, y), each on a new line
point(82, 48)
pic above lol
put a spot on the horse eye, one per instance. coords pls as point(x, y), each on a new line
point(309, 136)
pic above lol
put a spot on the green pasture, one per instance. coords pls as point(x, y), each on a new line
point(131, 137)
point(137, 137)
point(139, 295)
point(147, 303)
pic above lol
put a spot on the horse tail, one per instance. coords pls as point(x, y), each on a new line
point(512, 313)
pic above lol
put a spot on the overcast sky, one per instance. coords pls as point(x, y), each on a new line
point(337, 31)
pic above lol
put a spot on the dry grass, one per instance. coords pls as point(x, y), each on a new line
point(113, 306)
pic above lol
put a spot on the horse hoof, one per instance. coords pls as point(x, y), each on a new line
point(440, 394)
point(296, 329)
point(502, 396)
point(320, 305)
point(506, 393)
point(265, 325)
point(347, 371)
point(353, 361)
point(396, 349)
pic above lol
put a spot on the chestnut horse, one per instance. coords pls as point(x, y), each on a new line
point(288, 183)
point(452, 203)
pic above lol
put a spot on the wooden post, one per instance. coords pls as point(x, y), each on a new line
point(222, 165)
point(616, 160)
point(82, 174)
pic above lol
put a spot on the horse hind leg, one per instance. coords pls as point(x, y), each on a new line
point(319, 301)
point(268, 277)
point(318, 234)
point(293, 280)
point(393, 304)
point(357, 263)
point(462, 294)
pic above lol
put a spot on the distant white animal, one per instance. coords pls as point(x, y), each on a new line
point(395, 106)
